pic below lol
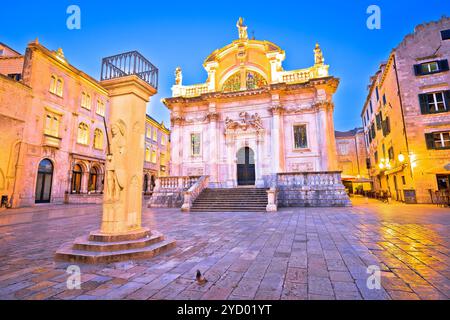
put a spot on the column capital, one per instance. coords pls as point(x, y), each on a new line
point(276, 109)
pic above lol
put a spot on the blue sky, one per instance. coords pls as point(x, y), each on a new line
point(172, 33)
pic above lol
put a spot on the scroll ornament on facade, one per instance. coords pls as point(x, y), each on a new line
point(247, 121)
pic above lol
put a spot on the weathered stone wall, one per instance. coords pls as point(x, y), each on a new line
point(311, 189)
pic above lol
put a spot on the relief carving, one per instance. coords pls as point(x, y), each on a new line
point(116, 169)
point(246, 122)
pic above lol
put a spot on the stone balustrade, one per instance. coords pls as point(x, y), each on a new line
point(169, 192)
point(192, 194)
point(192, 91)
point(311, 189)
point(297, 76)
point(175, 183)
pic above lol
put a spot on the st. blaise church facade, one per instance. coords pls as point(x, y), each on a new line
point(251, 119)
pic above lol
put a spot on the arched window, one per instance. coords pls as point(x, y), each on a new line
point(154, 160)
point(147, 154)
point(77, 174)
point(145, 183)
point(53, 80)
point(254, 80)
point(86, 100)
point(233, 83)
point(93, 178)
point(59, 87)
point(98, 139)
point(83, 133)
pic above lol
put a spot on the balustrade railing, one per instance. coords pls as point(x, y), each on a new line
point(297, 76)
point(129, 63)
point(299, 179)
point(194, 191)
point(175, 183)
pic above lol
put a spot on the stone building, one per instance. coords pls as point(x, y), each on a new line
point(53, 120)
point(157, 153)
point(406, 116)
point(252, 120)
point(352, 156)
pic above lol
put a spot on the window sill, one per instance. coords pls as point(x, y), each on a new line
point(56, 95)
point(302, 150)
point(435, 112)
point(83, 144)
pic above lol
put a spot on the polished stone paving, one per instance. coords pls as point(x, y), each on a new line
point(298, 253)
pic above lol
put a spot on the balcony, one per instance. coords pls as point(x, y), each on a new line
point(127, 64)
point(51, 141)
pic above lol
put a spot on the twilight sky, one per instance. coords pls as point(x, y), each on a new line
point(184, 33)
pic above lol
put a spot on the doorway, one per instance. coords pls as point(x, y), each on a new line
point(44, 182)
point(246, 174)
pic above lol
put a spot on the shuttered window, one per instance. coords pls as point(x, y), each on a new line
point(431, 67)
point(445, 34)
point(434, 102)
point(438, 140)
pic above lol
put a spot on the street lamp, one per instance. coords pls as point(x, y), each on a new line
point(401, 158)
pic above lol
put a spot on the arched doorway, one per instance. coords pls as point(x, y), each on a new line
point(145, 184)
point(77, 174)
point(44, 182)
point(152, 183)
point(93, 178)
point(246, 167)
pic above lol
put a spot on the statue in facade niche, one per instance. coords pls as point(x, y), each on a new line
point(318, 55)
point(178, 76)
point(115, 167)
point(242, 29)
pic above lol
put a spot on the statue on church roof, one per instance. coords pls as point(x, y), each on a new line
point(318, 55)
point(242, 29)
point(178, 76)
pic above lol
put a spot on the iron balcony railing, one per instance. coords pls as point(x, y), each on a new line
point(129, 63)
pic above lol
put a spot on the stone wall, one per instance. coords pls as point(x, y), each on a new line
point(311, 189)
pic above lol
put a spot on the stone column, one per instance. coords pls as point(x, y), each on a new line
point(213, 145)
point(175, 146)
point(231, 163)
point(259, 161)
point(125, 160)
point(277, 137)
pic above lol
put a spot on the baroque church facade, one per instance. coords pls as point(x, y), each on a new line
point(252, 120)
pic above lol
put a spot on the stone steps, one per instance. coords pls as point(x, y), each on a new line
point(231, 200)
point(97, 248)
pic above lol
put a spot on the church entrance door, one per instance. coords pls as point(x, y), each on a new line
point(246, 167)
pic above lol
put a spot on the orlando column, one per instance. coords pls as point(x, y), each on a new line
point(130, 80)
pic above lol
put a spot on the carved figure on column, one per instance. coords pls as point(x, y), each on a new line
point(115, 168)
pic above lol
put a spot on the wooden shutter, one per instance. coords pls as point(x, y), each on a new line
point(423, 100)
point(417, 69)
point(429, 138)
point(447, 99)
point(443, 65)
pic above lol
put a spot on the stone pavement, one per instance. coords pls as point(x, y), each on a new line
point(298, 253)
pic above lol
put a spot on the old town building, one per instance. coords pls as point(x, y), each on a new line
point(53, 120)
point(406, 116)
point(352, 156)
point(252, 123)
point(157, 153)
